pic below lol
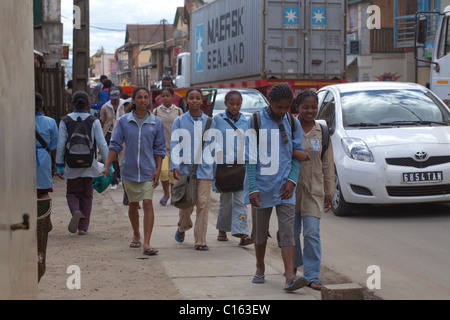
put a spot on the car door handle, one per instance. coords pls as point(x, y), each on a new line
point(25, 225)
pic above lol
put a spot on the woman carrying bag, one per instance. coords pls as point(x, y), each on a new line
point(232, 216)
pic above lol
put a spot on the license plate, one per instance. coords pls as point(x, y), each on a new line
point(422, 176)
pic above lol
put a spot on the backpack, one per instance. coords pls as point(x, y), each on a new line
point(81, 149)
point(256, 123)
point(325, 138)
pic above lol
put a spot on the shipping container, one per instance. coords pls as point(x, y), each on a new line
point(266, 39)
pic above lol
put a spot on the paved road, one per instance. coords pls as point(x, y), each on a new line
point(409, 243)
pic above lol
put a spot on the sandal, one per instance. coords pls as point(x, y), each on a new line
point(296, 283)
point(202, 248)
point(179, 236)
point(135, 244)
point(222, 237)
point(163, 201)
point(245, 241)
point(316, 285)
point(260, 279)
point(150, 251)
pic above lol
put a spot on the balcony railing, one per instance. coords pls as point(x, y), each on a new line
point(404, 32)
point(382, 41)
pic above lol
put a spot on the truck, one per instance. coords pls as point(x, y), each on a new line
point(260, 43)
point(438, 46)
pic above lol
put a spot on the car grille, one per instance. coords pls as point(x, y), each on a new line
point(419, 191)
point(410, 162)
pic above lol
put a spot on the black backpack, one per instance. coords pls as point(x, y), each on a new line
point(81, 149)
point(256, 123)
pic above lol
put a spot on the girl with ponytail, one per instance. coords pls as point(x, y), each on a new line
point(79, 180)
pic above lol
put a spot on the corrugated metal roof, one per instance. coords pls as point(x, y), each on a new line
point(147, 33)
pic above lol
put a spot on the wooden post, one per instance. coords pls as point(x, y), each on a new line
point(81, 46)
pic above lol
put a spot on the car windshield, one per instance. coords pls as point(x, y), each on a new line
point(392, 107)
point(251, 100)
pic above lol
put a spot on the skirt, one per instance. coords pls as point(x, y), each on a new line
point(138, 191)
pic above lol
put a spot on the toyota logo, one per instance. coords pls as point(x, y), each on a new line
point(420, 156)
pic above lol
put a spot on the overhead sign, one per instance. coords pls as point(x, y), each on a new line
point(65, 53)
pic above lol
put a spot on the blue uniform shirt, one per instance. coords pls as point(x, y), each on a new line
point(274, 160)
point(48, 130)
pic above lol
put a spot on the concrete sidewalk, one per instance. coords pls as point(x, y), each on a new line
point(223, 273)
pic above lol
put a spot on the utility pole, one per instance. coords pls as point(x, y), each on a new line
point(81, 46)
point(165, 45)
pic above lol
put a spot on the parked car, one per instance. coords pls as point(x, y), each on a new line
point(391, 144)
point(252, 101)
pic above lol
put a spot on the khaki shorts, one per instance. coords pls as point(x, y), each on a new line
point(261, 219)
point(166, 175)
point(138, 191)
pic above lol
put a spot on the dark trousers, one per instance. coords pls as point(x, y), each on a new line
point(79, 198)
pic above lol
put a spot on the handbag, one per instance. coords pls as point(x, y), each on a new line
point(230, 177)
point(184, 191)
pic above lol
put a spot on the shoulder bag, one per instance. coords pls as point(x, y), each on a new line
point(184, 191)
point(230, 176)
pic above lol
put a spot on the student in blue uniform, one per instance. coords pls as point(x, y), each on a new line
point(271, 180)
point(232, 215)
point(187, 131)
point(48, 130)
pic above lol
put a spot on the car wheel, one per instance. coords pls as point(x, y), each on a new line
point(340, 207)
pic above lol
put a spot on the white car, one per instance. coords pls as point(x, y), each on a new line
point(391, 144)
point(252, 101)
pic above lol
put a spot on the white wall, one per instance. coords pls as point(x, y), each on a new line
point(18, 252)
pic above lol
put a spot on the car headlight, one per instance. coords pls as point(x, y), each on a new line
point(357, 149)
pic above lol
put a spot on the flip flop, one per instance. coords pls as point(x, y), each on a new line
point(245, 241)
point(260, 278)
point(135, 244)
point(82, 232)
point(163, 201)
point(316, 285)
point(73, 224)
point(179, 236)
point(222, 237)
point(202, 248)
point(150, 251)
point(296, 283)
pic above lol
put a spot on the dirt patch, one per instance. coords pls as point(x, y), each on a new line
point(109, 269)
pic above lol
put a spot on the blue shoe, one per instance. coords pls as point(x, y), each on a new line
point(296, 283)
point(163, 201)
point(261, 278)
point(179, 236)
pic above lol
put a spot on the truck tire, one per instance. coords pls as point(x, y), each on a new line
point(340, 207)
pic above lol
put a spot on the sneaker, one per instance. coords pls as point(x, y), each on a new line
point(114, 187)
point(73, 224)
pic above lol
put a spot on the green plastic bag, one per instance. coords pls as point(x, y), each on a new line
point(100, 183)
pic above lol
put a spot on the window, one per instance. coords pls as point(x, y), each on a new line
point(180, 67)
point(444, 40)
point(37, 12)
point(326, 110)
